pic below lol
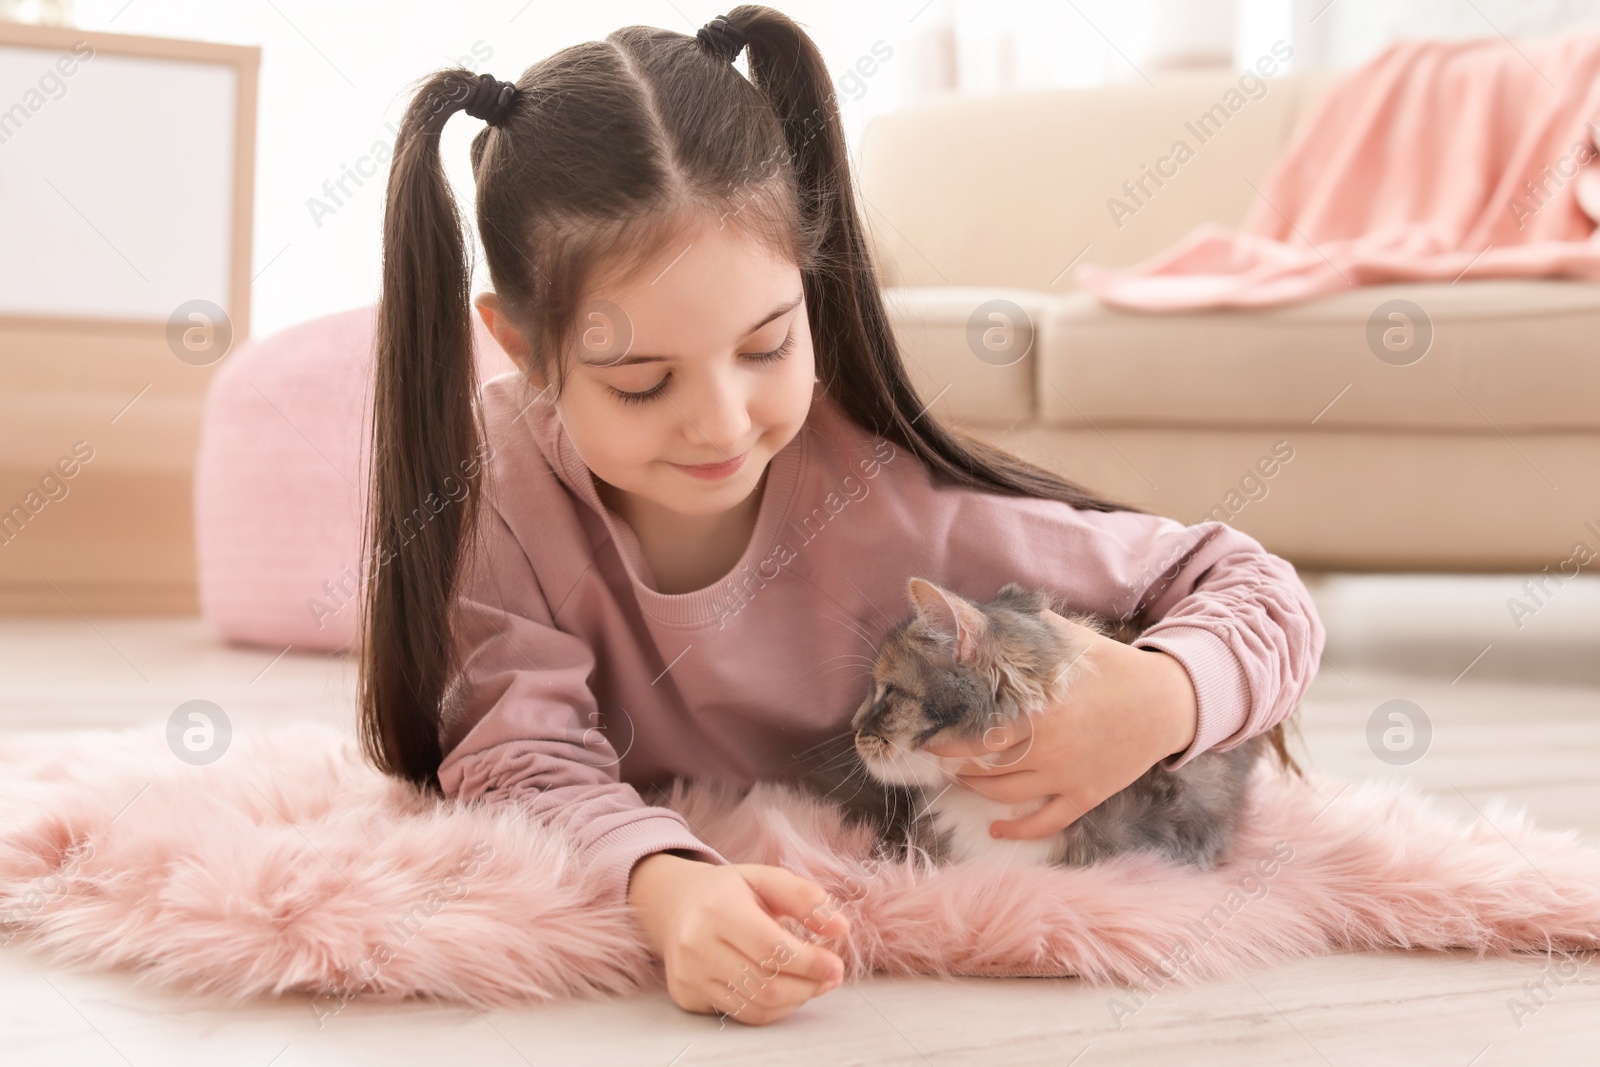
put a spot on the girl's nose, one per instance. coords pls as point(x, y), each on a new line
point(719, 415)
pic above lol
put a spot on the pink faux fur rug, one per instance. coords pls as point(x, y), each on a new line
point(290, 865)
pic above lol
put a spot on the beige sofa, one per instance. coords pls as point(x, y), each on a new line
point(1484, 454)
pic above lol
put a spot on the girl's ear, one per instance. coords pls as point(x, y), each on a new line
point(511, 340)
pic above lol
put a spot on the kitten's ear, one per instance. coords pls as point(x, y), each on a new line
point(1021, 598)
point(948, 618)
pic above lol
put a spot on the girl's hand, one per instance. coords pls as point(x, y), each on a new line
point(1132, 708)
point(714, 928)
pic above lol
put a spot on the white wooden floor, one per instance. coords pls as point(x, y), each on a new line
point(1515, 712)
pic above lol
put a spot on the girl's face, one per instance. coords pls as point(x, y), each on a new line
point(704, 356)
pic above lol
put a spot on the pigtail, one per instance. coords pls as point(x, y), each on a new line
point(426, 430)
point(849, 321)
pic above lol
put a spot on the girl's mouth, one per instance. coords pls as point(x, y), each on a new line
point(714, 471)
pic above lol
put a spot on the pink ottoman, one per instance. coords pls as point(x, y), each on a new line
point(281, 482)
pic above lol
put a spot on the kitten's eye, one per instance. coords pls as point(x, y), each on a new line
point(883, 694)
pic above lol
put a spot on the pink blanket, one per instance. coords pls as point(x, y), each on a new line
point(291, 867)
point(1434, 161)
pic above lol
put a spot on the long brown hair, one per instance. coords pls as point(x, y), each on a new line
point(607, 148)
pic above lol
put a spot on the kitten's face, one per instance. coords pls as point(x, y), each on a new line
point(912, 702)
point(935, 678)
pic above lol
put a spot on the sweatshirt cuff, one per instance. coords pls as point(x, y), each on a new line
point(1220, 685)
point(616, 853)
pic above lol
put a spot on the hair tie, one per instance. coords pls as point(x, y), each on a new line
point(491, 99)
point(722, 38)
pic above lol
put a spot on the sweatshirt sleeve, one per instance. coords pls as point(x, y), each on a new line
point(1236, 616)
point(521, 725)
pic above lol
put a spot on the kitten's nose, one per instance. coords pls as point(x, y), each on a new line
point(861, 714)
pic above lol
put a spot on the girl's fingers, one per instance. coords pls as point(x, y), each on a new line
point(783, 892)
point(993, 740)
point(1000, 749)
point(763, 939)
point(1012, 788)
point(740, 983)
point(1060, 813)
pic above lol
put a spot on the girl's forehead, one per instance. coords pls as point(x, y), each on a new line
point(709, 266)
point(701, 294)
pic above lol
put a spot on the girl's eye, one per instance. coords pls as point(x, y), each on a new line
point(654, 391)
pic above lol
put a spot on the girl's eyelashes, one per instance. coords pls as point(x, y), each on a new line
point(755, 357)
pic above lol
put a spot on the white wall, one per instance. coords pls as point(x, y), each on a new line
point(334, 77)
point(1344, 33)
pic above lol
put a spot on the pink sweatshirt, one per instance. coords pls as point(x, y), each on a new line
point(581, 681)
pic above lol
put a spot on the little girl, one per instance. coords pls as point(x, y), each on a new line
point(669, 542)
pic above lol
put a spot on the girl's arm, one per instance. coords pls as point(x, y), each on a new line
point(1237, 617)
point(522, 725)
point(1240, 621)
point(521, 730)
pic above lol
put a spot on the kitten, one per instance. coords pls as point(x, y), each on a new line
point(955, 669)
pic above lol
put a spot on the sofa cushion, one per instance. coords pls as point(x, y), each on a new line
point(1504, 355)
